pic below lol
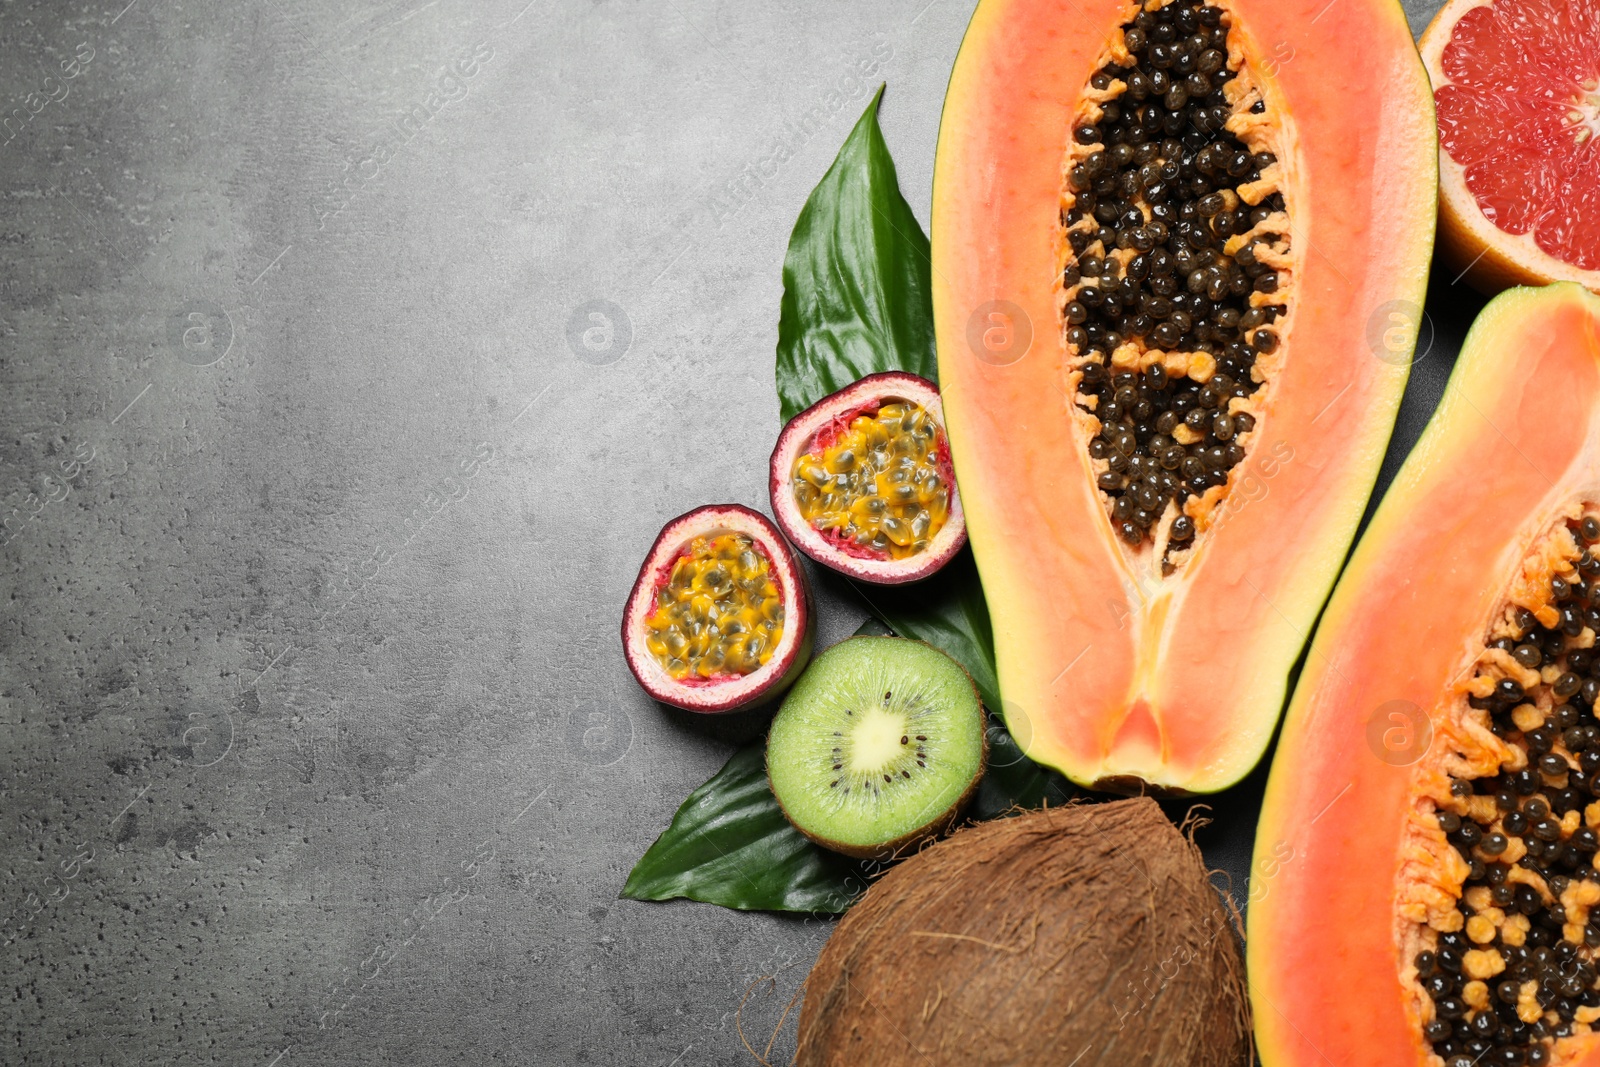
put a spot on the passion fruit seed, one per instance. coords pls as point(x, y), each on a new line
point(878, 486)
point(1520, 968)
point(718, 612)
point(1178, 240)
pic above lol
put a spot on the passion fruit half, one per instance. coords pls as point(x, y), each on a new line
point(719, 619)
point(861, 481)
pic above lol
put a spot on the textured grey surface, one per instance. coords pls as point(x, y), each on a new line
point(321, 503)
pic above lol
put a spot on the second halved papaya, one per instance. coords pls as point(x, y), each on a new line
point(1179, 254)
point(1426, 884)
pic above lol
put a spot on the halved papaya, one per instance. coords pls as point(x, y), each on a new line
point(1425, 879)
point(1179, 250)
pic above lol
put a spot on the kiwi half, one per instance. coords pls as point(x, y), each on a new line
point(878, 746)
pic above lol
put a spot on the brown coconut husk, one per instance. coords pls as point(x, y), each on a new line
point(1083, 935)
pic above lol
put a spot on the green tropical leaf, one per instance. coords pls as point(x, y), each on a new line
point(857, 289)
point(729, 844)
point(947, 611)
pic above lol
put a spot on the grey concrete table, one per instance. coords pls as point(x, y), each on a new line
point(321, 505)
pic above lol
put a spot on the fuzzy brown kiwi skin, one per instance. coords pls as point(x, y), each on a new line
point(889, 850)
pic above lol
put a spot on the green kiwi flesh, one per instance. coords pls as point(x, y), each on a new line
point(878, 746)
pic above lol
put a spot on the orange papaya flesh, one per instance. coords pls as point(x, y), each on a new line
point(1156, 657)
point(1430, 819)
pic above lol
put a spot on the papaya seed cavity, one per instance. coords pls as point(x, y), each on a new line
point(1507, 914)
point(1177, 268)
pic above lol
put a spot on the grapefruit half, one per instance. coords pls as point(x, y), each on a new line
point(1517, 87)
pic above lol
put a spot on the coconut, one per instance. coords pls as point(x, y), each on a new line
point(1089, 934)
